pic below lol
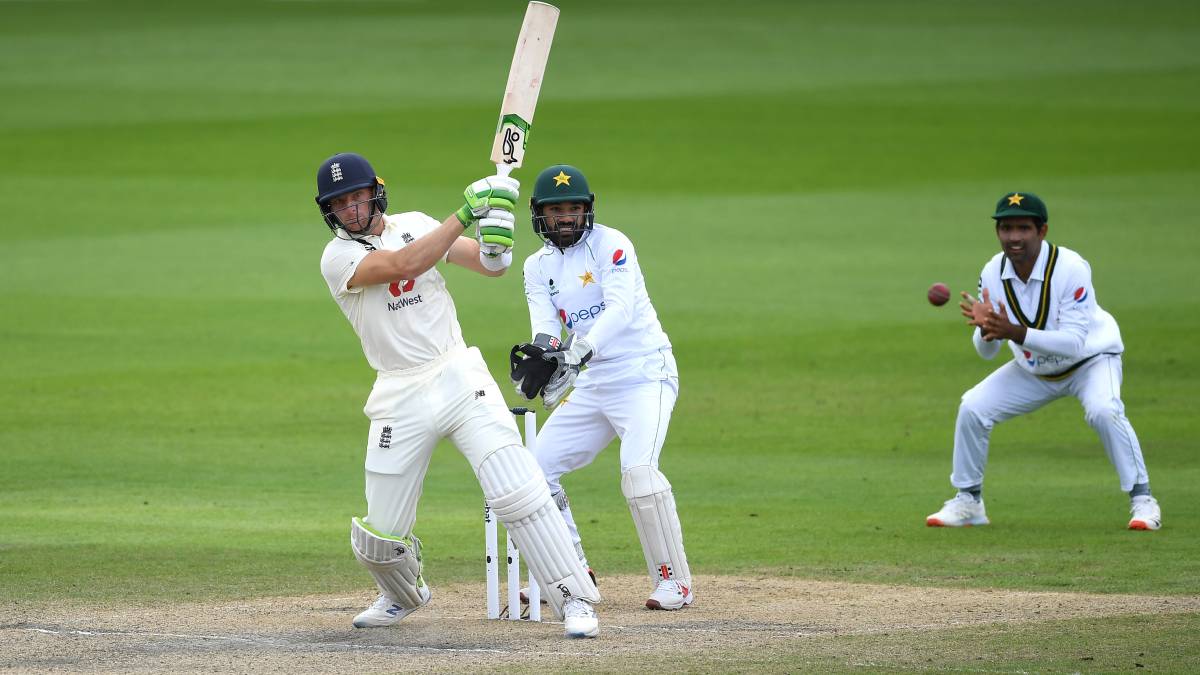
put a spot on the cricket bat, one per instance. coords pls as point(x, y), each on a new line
point(524, 84)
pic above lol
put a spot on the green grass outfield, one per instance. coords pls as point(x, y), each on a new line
point(180, 400)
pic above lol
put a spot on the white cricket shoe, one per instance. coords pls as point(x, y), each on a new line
point(579, 619)
point(1145, 513)
point(962, 511)
point(386, 612)
point(670, 594)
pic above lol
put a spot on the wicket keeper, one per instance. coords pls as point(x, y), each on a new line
point(587, 280)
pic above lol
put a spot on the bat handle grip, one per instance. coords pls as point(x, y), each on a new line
point(503, 169)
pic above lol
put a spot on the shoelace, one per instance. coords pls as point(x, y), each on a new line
point(382, 602)
point(962, 499)
point(577, 607)
point(1142, 508)
point(668, 586)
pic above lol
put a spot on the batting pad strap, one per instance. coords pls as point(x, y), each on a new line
point(394, 562)
point(560, 499)
point(513, 483)
point(652, 505)
point(517, 492)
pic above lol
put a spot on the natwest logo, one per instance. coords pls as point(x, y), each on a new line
point(399, 288)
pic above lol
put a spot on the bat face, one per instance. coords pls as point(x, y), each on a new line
point(524, 84)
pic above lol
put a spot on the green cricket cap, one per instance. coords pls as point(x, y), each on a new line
point(1017, 204)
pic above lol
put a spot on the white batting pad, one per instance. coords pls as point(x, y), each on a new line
point(652, 505)
point(516, 490)
point(394, 563)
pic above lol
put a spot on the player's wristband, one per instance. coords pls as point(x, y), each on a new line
point(465, 216)
point(497, 263)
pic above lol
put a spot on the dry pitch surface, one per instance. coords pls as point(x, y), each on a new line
point(737, 621)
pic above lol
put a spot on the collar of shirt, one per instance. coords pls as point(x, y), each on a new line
point(1039, 266)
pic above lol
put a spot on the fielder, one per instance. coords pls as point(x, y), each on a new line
point(430, 385)
point(587, 280)
point(1039, 297)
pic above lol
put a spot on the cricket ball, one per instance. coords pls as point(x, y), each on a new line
point(939, 294)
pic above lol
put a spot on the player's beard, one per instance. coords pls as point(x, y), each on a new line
point(566, 231)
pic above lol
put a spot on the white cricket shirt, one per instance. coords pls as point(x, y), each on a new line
point(1065, 323)
point(596, 289)
point(406, 323)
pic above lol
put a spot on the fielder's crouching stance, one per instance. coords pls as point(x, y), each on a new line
point(587, 280)
point(1063, 344)
point(430, 385)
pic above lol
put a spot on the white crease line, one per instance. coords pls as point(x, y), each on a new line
point(285, 643)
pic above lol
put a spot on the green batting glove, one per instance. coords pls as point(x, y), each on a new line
point(495, 232)
point(493, 192)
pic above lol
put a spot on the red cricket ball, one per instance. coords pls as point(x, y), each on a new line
point(939, 294)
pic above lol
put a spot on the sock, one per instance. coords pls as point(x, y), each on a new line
point(976, 492)
point(1140, 490)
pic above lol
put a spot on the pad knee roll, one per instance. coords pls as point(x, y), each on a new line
point(516, 490)
point(395, 563)
point(652, 505)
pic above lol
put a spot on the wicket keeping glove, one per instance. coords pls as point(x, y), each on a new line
point(567, 362)
point(485, 194)
point(494, 231)
point(528, 371)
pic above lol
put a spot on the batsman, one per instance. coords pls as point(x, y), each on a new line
point(381, 271)
point(586, 280)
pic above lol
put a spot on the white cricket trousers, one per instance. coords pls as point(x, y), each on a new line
point(452, 397)
point(1012, 391)
point(591, 417)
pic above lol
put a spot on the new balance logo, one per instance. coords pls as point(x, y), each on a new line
point(336, 171)
point(393, 610)
point(480, 393)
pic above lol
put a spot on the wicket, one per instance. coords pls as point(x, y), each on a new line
point(513, 609)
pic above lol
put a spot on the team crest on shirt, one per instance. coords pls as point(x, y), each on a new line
point(1081, 294)
point(587, 278)
point(619, 257)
